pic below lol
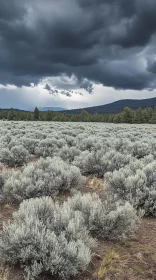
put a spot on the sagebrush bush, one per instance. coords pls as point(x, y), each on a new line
point(140, 150)
point(34, 240)
point(69, 153)
point(120, 223)
point(100, 162)
point(90, 163)
point(6, 157)
point(12, 143)
point(138, 186)
point(30, 144)
point(47, 237)
point(106, 218)
point(17, 156)
point(47, 147)
point(42, 178)
point(20, 155)
point(90, 143)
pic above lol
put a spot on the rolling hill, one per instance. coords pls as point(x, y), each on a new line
point(117, 106)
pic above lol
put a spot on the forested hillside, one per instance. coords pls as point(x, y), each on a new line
point(117, 106)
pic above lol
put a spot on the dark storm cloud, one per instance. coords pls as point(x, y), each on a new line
point(152, 67)
point(102, 41)
point(87, 85)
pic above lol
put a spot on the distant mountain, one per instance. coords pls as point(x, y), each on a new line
point(18, 110)
point(117, 106)
point(57, 109)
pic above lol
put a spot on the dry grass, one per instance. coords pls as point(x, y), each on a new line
point(4, 273)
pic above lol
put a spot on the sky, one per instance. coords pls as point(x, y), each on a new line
point(76, 53)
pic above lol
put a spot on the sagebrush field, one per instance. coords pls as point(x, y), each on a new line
point(81, 198)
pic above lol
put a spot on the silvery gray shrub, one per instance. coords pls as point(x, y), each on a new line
point(100, 162)
point(47, 147)
point(42, 178)
point(46, 237)
point(106, 218)
point(138, 186)
point(68, 153)
point(16, 156)
point(30, 144)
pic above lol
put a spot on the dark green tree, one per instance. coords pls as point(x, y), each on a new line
point(128, 115)
point(11, 114)
point(36, 114)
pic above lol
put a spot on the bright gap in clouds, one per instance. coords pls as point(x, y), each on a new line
point(37, 95)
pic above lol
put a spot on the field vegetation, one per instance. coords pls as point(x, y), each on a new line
point(75, 198)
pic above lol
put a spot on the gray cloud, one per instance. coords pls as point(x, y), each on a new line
point(50, 90)
point(56, 92)
point(87, 85)
point(152, 67)
point(100, 41)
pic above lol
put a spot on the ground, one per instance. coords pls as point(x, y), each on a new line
point(133, 259)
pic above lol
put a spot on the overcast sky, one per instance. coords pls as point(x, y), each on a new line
point(76, 53)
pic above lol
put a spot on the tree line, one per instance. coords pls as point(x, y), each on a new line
point(147, 115)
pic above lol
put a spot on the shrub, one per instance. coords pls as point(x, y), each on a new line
point(42, 178)
point(47, 147)
point(100, 162)
point(68, 153)
point(12, 143)
point(17, 156)
point(30, 144)
point(6, 157)
point(20, 155)
point(105, 218)
point(90, 143)
point(47, 237)
point(140, 149)
point(120, 223)
point(90, 163)
point(114, 160)
point(138, 186)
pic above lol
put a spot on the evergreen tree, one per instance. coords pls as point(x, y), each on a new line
point(128, 115)
point(11, 114)
point(36, 114)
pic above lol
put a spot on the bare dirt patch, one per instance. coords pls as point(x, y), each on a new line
point(133, 259)
point(94, 184)
point(6, 213)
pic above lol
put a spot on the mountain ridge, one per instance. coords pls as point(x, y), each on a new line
point(116, 106)
point(56, 109)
